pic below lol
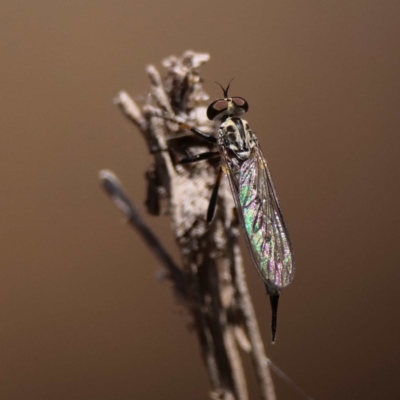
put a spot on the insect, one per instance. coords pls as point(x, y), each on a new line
point(254, 193)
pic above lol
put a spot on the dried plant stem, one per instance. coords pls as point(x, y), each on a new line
point(211, 282)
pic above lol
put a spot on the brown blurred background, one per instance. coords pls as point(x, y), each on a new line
point(81, 313)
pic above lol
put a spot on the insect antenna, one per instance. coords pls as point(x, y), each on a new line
point(227, 88)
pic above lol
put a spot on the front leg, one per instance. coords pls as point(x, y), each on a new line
point(206, 136)
point(199, 157)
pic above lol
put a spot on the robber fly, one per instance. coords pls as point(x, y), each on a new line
point(253, 191)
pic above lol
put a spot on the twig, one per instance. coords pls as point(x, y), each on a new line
point(211, 280)
point(257, 347)
point(114, 189)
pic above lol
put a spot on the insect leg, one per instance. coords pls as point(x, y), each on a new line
point(213, 201)
point(199, 157)
point(198, 132)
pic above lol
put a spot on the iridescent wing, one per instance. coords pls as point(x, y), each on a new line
point(262, 220)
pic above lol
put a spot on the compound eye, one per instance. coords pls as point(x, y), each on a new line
point(239, 101)
point(242, 106)
point(216, 108)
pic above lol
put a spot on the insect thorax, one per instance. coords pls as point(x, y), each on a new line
point(235, 135)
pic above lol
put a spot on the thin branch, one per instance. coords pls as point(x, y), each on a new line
point(257, 347)
point(131, 110)
point(114, 189)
